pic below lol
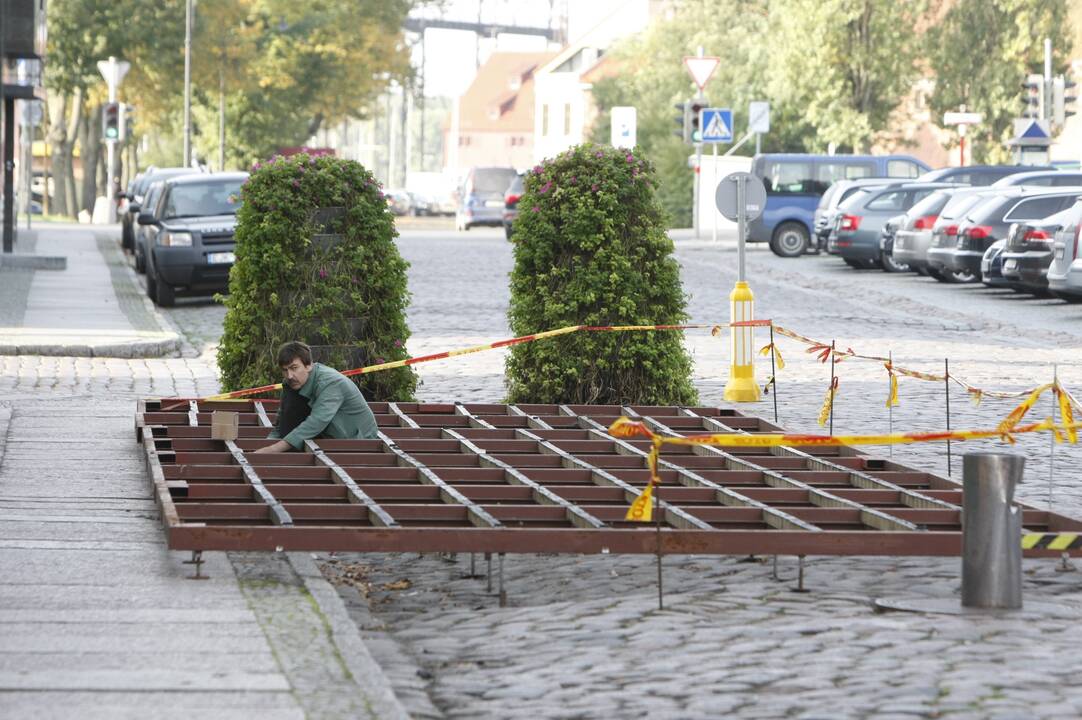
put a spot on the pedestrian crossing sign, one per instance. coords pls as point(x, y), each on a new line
point(716, 125)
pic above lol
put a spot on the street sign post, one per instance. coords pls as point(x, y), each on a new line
point(741, 197)
point(701, 67)
point(113, 71)
point(963, 120)
point(758, 119)
point(623, 127)
point(716, 125)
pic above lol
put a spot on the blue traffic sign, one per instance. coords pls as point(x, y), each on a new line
point(716, 125)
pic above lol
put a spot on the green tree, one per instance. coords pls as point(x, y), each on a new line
point(981, 51)
point(591, 248)
point(845, 65)
point(653, 87)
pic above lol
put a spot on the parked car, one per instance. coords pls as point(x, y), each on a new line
point(145, 232)
point(481, 196)
point(398, 201)
point(978, 175)
point(127, 218)
point(992, 265)
point(134, 200)
point(1028, 252)
point(510, 204)
point(1065, 272)
point(194, 248)
point(836, 194)
point(1054, 178)
point(914, 234)
point(945, 231)
point(795, 182)
point(886, 245)
point(861, 219)
point(990, 220)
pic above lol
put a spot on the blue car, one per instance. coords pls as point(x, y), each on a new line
point(795, 183)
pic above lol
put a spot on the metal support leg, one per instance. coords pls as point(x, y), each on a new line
point(800, 576)
point(197, 560)
point(1065, 563)
point(503, 593)
point(991, 528)
point(488, 575)
point(774, 573)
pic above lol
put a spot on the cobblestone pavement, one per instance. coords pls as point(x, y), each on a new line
point(582, 637)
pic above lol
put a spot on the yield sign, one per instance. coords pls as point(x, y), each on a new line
point(701, 68)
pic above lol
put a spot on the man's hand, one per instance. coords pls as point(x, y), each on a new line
point(280, 446)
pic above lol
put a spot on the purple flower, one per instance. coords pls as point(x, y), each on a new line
point(322, 273)
point(634, 171)
point(380, 361)
point(398, 343)
point(599, 154)
point(536, 169)
point(574, 180)
point(535, 209)
point(296, 183)
point(546, 187)
point(593, 188)
point(256, 166)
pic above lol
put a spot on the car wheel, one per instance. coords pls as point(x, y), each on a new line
point(164, 294)
point(789, 240)
point(140, 260)
point(127, 238)
point(152, 285)
point(888, 263)
point(922, 271)
point(961, 276)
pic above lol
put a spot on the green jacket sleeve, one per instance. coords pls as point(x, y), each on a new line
point(323, 411)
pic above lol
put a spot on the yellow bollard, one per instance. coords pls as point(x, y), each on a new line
point(741, 386)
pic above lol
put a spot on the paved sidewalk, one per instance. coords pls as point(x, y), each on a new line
point(92, 308)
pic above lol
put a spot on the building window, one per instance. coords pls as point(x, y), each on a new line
point(544, 120)
point(567, 119)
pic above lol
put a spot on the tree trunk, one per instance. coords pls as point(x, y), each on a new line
point(92, 157)
point(68, 180)
point(58, 140)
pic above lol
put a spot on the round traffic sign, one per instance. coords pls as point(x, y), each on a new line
point(754, 196)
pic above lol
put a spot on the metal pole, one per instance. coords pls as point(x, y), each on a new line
point(221, 119)
point(1046, 86)
point(991, 531)
point(741, 224)
point(1052, 436)
point(890, 405)
point(698, 181)
point(188, 10)
point(657, 525)
point(28, 163)
point(757, 143)
point(947, 390)
point(9, 170)
point(110, 146)
point(714, 183)
point(773, 379)
point(832, 376)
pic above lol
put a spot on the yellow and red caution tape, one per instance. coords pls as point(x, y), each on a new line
point(626, 428)
point(236, 394)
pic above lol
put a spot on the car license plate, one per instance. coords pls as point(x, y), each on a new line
point(1059, 253)
point(1010, 264)
point(220, 258)
point(493, 203)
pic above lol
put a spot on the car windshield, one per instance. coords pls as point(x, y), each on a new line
point(200, 199)
point(930, 205)
point(493, 180)
point(959, 204)
point(855, 198)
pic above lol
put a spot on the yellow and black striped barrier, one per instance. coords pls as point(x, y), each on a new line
point(1052, 541)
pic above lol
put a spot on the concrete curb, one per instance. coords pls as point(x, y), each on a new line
point(134, 349)
point(366, 671)
point(34, 262)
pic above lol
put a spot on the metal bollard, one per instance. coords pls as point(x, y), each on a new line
point(991, 531)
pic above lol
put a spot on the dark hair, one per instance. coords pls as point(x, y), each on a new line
point(294, 351)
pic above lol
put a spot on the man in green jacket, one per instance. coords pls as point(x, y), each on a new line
point(338, 409)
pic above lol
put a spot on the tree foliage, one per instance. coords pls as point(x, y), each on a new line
point(347, 296)
point(591, 248)
point(980, 52)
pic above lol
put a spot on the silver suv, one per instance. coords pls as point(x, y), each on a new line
point(1065, 272)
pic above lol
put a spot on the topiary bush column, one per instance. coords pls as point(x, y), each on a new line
point(316, 262)
point(590, 248)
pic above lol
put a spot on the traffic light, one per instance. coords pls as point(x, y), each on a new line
point(127, 120)
point(1033, 98)
point(110, 121)
point(1062, 101)
point(683, 121)
point(696, 111)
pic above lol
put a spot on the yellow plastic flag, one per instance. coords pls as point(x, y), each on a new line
point(828, 403)
point(765, 350)
point(642, 510)
point(1019, 412)
point(1066, 413)
point(892, 399)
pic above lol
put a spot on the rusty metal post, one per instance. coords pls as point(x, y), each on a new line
point(502, 592)
point(991, 531)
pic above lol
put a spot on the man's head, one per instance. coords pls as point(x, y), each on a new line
point(295, 359)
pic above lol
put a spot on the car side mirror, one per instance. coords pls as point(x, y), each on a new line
point(145, 218)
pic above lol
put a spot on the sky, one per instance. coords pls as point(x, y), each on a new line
point(450, 55)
